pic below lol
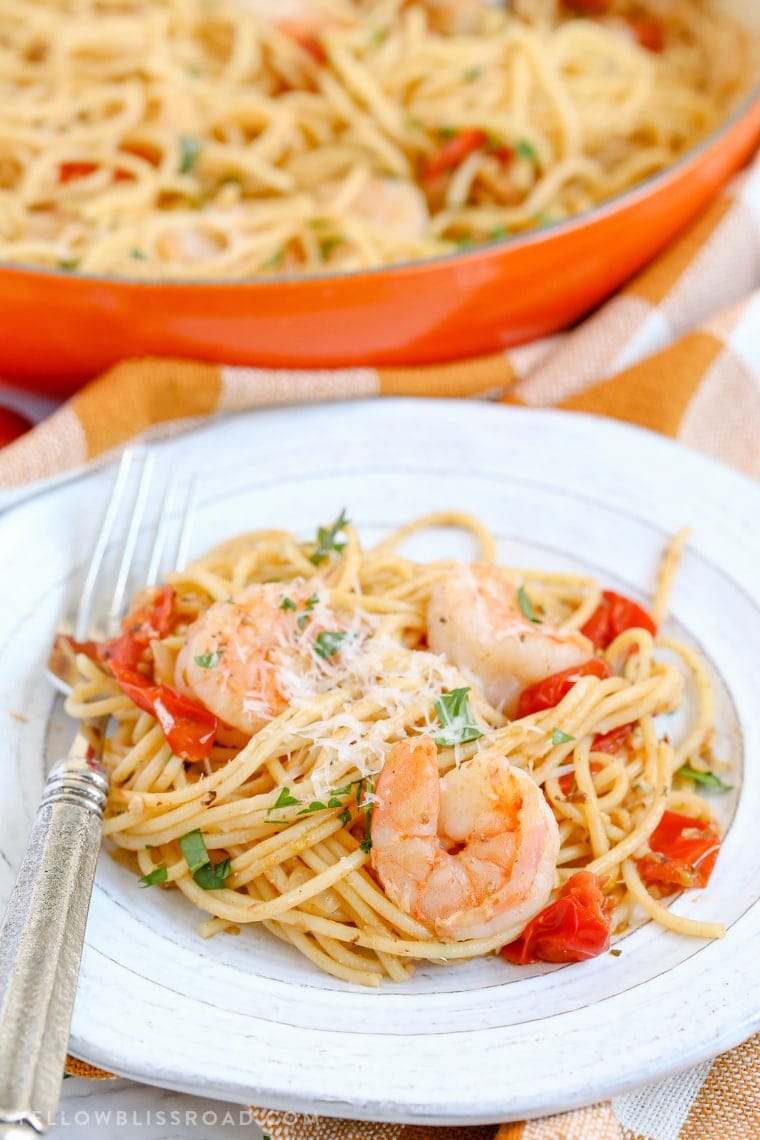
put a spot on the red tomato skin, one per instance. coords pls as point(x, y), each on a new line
point(614, 614)
point(614, 740)
point(12, 425)
point(549, 692)
point(454, 151)
point(188, 726)
point(683, 851)
point(573, 928)
point(648, 31)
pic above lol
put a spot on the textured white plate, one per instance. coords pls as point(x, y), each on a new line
point(246, 1019)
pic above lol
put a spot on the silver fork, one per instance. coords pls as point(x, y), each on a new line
point(42, 936)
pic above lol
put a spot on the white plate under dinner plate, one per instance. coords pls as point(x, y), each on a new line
point(244, 1018)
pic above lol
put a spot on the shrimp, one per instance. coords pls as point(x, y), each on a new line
point(470, 855)
point(243, 658)
point(474, 619)
point(395, 206)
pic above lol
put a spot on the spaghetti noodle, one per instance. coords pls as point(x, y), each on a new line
point(261, 700)
point(186, 139)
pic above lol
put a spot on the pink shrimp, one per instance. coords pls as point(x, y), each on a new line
point(470, 855)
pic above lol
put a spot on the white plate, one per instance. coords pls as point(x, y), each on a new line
point(246, 1019)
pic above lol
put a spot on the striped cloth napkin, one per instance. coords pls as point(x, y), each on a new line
point(677, 351)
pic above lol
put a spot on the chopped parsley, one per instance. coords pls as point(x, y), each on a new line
point(275, 261)
point(288, 604)
point(138, 254)
point(157, 875)
point(706, 779)
point(69, 264)
point(189, 149)
point(328, 244)
point(527, 608)
point(209, 876)
point(284, 800)
point(560, 737)
point(525, 149)
point(447, 132)
point(329, 642)
point(472, 74)
point(454, 712)
point(193, 848)
point(366, 807)
point(209, 660)
point(328, 541)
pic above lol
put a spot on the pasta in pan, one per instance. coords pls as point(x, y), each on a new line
point(383, 761)
point(225, 139)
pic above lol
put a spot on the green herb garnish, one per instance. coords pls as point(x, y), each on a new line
point(275, 261)
point(138, 254)
point(707, 779)
point(193, 848)
point(525, 149)
point(448, 132)
point(189, 149)
point(329, 642)
point(526, 606)
point(454, 712)
point(283, 800)
point(472, 74)
point(157, 875)
point(328, 244)
point(288, 604)
point(328, 541)
point(68, 264)
point(211, 876)
point(560, 737)
point(345, 817)
point(209, 660)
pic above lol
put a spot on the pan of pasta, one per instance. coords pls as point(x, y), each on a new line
point(439, 748)
point(338, 182)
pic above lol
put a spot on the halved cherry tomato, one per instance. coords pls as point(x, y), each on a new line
point(648, 30)
point(612, 741)
point(574, 927)
point(189, 728)
point(12, 425)
point(454, 151)
point(587, 7)
point(614, 614)
point(71, 171)
point(682, 853)
point(566, 782)
point(549, 692)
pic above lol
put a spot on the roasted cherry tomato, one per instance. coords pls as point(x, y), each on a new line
point(574, 927)
point(648, 30)
point(614, 614)
point(682, 853)
point(188, 726)
point(190, 729)
point(454, 151)
point(549, 692)
point(612, 741)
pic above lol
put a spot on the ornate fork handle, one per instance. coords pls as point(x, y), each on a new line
point(41, 942)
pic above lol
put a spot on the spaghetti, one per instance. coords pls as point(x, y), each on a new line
point(186, 139)
point(267, 702)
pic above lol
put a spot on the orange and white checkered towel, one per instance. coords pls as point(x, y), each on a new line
point(677, 351)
